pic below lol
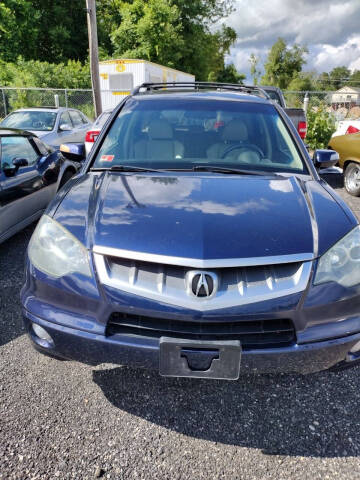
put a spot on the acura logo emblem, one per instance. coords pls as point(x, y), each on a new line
point(201, 284)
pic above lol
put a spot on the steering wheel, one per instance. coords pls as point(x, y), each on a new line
point(247, 146)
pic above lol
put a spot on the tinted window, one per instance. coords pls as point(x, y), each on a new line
point(76, 118)
point(16, 147)
point(30, 120)
point(175, 133)
point(273, 94)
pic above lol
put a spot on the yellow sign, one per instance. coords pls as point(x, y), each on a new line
point(120, 67)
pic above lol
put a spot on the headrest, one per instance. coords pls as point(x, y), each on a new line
point(235, 131)
point(160, 130)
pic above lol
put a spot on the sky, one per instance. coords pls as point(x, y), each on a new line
point(329, 28)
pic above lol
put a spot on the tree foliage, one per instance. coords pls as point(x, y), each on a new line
point(175, 33)
point(45, 30)
point(283, 64)
point(32, 73)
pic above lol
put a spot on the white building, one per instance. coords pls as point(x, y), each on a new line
point(119, 77)
point(346, 97)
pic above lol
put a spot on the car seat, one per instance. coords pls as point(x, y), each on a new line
point(160, 144)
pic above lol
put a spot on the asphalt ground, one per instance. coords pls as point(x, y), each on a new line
point(67, 420)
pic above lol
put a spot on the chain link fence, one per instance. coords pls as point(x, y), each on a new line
point(13, 98)
point(343, 105)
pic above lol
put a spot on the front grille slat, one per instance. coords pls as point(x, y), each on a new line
point(252, 334)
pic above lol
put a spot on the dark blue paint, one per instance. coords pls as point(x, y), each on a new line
point(206, 216)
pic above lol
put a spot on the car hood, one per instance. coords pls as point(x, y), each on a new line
point(206, 216)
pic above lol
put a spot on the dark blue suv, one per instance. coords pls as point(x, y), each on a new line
point(198, 240)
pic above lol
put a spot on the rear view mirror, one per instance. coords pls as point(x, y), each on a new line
point(325, 158)
point(73, 151)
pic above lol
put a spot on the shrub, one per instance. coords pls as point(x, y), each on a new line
point(320, 127)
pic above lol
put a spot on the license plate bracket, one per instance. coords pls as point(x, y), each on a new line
point(176, 357)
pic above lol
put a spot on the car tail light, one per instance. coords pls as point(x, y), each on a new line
point(91, 135)
point(352, 129)
point(302, 129)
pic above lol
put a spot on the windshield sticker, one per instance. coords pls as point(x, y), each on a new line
point(107, 158)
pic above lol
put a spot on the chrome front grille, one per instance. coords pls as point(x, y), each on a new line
point(236, 285)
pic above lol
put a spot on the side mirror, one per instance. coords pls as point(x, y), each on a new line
point(65, 127)
point(73, 151)
point(325, 158)
point(20, 162)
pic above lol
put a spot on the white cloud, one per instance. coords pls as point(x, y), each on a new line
point(329, 28)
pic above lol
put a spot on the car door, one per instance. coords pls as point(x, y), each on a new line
point(80, 127)
point(68, 135)
point(21, 197)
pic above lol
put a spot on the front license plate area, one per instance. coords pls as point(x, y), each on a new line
point(200, 359)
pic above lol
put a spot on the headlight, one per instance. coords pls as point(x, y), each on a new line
point(54, 251)
point(341, 263)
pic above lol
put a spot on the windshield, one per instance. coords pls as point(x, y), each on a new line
point(181, 134)
point(30, 120)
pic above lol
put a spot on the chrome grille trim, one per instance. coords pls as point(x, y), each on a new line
point(200, 263)
point(237, 285)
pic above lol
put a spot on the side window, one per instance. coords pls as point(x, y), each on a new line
point(17, 147)
point(84, 119)
point(76, 118)
point(65, 119)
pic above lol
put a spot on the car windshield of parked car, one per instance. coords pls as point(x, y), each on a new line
point(183, 133)
point(30, 120)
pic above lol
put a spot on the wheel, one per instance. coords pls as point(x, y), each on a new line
point(352, 179)
point(65, 178)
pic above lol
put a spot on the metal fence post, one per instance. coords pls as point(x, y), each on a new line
point(66, 99)
point(4, 100)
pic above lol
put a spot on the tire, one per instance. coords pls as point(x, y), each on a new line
point(66, 177)
point(352, 179)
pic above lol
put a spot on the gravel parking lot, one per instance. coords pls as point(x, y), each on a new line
point(67, 420)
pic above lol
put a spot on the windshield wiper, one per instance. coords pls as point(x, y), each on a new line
point(236, 171)
point(126, 168)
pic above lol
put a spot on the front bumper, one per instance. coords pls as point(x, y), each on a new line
point(94, 349)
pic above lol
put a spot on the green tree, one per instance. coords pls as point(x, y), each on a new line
point(355, 78)
point(304, 81)
point(176, 33)
point(149, 30)
point(228, 74)
point(44, 30)
point(339, 76)
point(254, 70)
point(283, 64)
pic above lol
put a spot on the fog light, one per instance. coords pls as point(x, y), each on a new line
point(42, 336)
point(355, 348)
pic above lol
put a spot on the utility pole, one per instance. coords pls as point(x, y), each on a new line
point(94, 54)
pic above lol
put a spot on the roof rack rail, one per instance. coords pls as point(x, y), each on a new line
point(235, 87)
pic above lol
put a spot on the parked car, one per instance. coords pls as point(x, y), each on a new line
point(53, 125)
point(297, 115)
point(346, 127)
point(93, 133)
point(197, 248)
point(30, 174)
point(348, 147)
